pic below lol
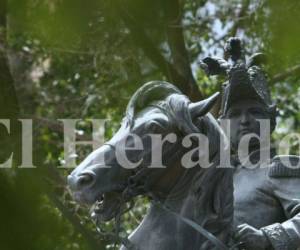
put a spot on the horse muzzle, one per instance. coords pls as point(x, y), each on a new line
point(82, 181)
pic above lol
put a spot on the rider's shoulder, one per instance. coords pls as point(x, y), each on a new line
point(285, 166)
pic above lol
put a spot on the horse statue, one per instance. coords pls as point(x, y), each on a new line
point(184, 201)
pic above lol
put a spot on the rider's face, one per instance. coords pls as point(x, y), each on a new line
point(244, 117)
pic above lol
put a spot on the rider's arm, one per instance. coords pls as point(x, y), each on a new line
point(286, 189)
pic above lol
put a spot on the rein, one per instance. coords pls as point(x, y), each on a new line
point(213, 239)
point(136, 187)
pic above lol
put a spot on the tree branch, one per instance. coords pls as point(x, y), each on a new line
point(288, 72)
point(176, 42)
point(240, 18)
point(88, 236)
point(153, 53)
point(9, 109)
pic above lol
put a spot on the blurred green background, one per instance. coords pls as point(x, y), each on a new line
point(84, 59)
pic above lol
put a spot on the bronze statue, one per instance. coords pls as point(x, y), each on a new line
point(215, 207)
point(267, 197)
point(186, 201)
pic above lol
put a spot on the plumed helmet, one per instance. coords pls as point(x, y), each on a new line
point(246, 80)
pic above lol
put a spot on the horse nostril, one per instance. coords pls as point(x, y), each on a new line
point(85, 180)
point(81, 181)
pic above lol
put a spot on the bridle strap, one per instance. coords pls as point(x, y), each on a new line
point(219, 244)
point(213, 239)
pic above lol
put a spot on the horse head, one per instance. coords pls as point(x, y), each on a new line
point(108, 178)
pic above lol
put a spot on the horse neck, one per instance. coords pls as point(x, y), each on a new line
point(193, 197)
point(167, 230)
point(178, 194)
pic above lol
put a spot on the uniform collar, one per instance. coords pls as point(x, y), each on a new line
point(253, 157)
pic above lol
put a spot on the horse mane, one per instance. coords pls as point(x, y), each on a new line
point(215, 208)
point(148, 93)
point(175, 105)
point(165, 96)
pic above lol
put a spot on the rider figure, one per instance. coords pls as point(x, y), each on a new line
point(266, 196)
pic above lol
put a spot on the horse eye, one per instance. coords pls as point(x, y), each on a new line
point(154, 126)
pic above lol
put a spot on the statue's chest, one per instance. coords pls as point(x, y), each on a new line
point(249, 184)
point(254, 202)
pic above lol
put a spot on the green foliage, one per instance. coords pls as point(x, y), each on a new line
point(82, 59)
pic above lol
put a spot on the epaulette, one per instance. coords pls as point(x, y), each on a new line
point(284, 166)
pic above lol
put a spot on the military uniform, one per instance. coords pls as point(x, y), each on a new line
point(267, 197)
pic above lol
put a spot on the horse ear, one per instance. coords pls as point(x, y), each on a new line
point(203, 107)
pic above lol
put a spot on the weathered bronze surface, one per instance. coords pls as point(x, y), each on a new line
point(265, 199)
point(195, 193)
